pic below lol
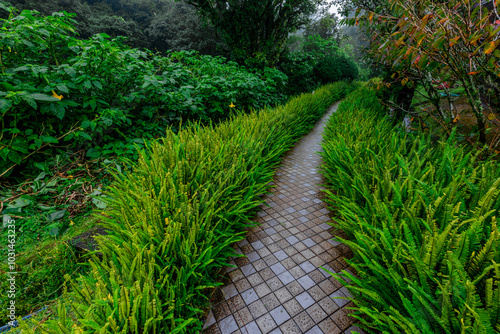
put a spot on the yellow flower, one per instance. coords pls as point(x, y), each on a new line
point(232, 105)
point(54, 94)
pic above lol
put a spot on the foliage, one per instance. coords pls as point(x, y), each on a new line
point(421, 219)
point(179, 27)
point(256, 31)
point(59, 93)
point(326, 26)
point(40, 276)
point(334, 68)
point(430, 42)
point(316, 60)
point(173, 219)
point(156, 25)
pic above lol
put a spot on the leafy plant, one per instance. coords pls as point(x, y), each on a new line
point(421, 219)
point(59, 93)
point(172, 221)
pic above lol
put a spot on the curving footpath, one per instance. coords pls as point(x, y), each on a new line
point(279, 286)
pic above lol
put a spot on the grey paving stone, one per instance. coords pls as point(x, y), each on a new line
point(305, 300)
point(286, 277)
point(228, 325)
point(249, 296)
point(280, 315)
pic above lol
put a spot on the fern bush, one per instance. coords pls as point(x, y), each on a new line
point(174, 218)
point(421, 221)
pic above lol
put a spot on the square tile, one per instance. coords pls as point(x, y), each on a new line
point(328, 305)
point(262, 290)
point(295, 288)
point(236, 275)
point(253, 256)
point(274, 283)
point(304, 321)
point(288, 263)
point(235, 303)
point(270, 301)
point(305, 300)
point(252, 327)
point(316, 313)
point(316, 293)
point(229, 291)
point(263, 252)
point(266, 274)
point(249, 296)
point(308, 254)
point(351, 329)
point(307, 266)
point(292, 239)
point(259, 265)
point(270, 231)
point(293, 307)
point(328, 326)
point(290, 327)
point(283, 295)
point(228, 325)
point(255, 279)
point(243, 317)
point(315, 330)
point(248, 269)
point(242, 285)
point(221, 310)
point(327, 287)
point(280, 315)
point(286, 277)
point(341, 319)
point(300, 247)
point(281, 255)
point(338, 298)
point(309, 242)
point(266, 323)
point(257, 309)
point(257, 245)
point(306, 282)
point(278, 268)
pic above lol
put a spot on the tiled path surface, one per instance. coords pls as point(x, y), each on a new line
point(279, 287)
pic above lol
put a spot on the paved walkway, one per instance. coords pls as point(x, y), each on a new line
point(278, 287)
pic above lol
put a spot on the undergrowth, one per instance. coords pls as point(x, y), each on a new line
point(421, 221)
point(173, 219)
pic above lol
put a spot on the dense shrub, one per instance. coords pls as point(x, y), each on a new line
point(421, 218)
point(97, 94)
point(173, 219)
point(335, 67)
point(314, 61)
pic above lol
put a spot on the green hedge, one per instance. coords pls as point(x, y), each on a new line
point(420, 217)
point(174, 218)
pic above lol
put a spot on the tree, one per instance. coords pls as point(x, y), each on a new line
point(326, 26)
point(256, 30)
point(430, 42)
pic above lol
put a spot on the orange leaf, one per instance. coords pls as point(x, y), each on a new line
point(472, 73)
point(491, 47)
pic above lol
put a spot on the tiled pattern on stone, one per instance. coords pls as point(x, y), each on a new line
point(279, 286)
